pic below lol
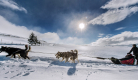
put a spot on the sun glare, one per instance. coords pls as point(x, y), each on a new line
point(81, 26)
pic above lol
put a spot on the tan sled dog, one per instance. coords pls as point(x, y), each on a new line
point(66, 55)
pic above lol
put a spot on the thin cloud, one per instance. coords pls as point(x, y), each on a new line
point(113, 16)
point(11, 4)
point(108, 35)
point(117, 11)
point(125, 38)
point(114, 4)
point(120, 28)
point(100, 35)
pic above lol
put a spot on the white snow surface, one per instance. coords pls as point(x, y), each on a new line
point(43, 64)
point(12, 40)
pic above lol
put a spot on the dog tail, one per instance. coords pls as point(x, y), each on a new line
point(29, 49)
point(71, 51)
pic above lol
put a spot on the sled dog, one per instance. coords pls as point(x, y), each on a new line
point(16, 51)
point(66, 55)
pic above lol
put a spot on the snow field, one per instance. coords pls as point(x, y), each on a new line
point(43, 64)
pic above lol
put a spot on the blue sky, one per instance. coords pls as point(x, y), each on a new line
point(107, 22)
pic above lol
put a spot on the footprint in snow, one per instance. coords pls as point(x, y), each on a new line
point(32, 71)
point(26, 74)
point(22, 65)
point(7, 72)
point(28, 69)
point(19, 74)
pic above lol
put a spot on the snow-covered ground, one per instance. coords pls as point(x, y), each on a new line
point(9, 39)
point(43, 64)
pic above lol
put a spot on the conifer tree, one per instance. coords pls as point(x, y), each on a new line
point(32, 39)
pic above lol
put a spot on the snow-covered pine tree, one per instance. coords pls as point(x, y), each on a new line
point(32, 39)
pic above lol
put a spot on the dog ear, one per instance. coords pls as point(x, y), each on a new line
point(72, 51)
point(26, 46)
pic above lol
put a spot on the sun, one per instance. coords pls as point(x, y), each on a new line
point(81, 26)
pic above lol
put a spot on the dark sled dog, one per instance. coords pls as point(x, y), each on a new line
point(13, 51)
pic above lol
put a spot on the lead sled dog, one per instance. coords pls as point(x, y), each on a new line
point(16, 51)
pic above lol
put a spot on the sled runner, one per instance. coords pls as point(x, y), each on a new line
point(115, 60)
point(129, 60)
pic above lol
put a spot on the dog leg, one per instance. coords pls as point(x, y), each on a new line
point(69, 59)
point(62, 59)
point(8, 55)
point(11, 56)
point(19, 56)
point(74, 58)
point(27, 57)
point(73, 61)
point(77, 60)
point(66, 60)
point(14, 55)
point(24, 57)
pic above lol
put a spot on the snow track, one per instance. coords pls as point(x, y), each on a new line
point(47, 67)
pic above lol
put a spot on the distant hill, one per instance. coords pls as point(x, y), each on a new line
point(12, 39)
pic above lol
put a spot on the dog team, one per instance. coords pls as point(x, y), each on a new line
point(72, 55)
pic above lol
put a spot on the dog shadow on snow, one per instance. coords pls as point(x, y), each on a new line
point(53, 61)
point(3, 58)
point(72, 68)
